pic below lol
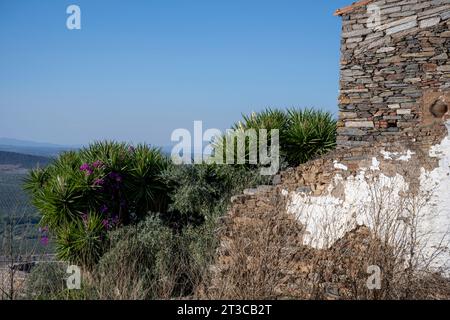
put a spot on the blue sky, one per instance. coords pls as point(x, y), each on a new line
point(137, 70)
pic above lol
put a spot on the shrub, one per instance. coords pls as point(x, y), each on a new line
point(309, 133)
point(151, 261)
point(168, 256)
point(138, 264)
point(81, 241)
point(144, 228)
point(293, 265)
point(83, 194)
point(303, 134)
point(267, 119)
point(251, 125)
point(200, 196)
point(201, 192)
point(46, 281)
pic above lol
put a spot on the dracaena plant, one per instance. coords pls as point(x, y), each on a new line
point(310, 133)
point(84, 194)
point(303, 133)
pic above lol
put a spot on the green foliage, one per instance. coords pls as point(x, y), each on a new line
point(97, 202)
point(247, 132)
point(309, 133)
point(168, 256)
point(138, 263)
point(303, 133)
point(149, 189)
point(83, 194)
point(150, 261)
point(198, 190)
point(267, 119)
point(81, 241)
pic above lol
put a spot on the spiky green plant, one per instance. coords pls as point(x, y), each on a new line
point(85, 193)
point(303, 133)
point(82, 241)
point(310, 133)
point(197, 191)
point(268, 119)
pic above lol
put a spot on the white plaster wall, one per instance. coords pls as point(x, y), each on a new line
point(327, 218)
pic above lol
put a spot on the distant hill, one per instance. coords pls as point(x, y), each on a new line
point(16, 158)
point(26, 143)
point(22, 160)
point(33, 148)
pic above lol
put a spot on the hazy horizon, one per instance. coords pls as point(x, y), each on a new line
point(137, 71)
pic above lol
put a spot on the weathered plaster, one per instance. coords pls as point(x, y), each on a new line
point(327, 218)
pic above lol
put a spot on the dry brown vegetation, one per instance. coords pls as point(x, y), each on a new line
point(263, 254)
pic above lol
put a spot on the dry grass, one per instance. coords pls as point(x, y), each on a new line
point(12, 284)
point(264, 254)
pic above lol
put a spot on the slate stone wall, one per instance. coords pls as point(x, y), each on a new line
point(394, 71)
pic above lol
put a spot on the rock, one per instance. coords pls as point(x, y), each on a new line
point(402, 27)
point(250, 192)
point(429, 22)
point(276, 180)
point(403, 111)
point(442, 56)
point(386, 50)
point(359, 124)
point(444, 68)
point(304, 190)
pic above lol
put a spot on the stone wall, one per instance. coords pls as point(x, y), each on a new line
point(379, 182)
point(393, 152)
point(332, 207)
point(394, 72)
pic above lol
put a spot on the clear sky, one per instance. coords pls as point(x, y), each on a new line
point(137, 70)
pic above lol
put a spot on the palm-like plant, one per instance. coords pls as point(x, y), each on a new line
point(303, 133)
point(268, 119)
point(81, 242)
point(309, 133)
point(149, 191)
point(83, 194)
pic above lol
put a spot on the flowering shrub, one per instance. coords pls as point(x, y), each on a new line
point(83, 195)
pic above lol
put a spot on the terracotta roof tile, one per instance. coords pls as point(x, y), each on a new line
point(350, 8)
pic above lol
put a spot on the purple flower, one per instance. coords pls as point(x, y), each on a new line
point(86, 168)
point(44, 240)
point(104, 208)
point(105, 223)
point(84, 217)
point(131, 149)
point(115, 176)
point(97, 164)
point(115, 220)
point(98, 182)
